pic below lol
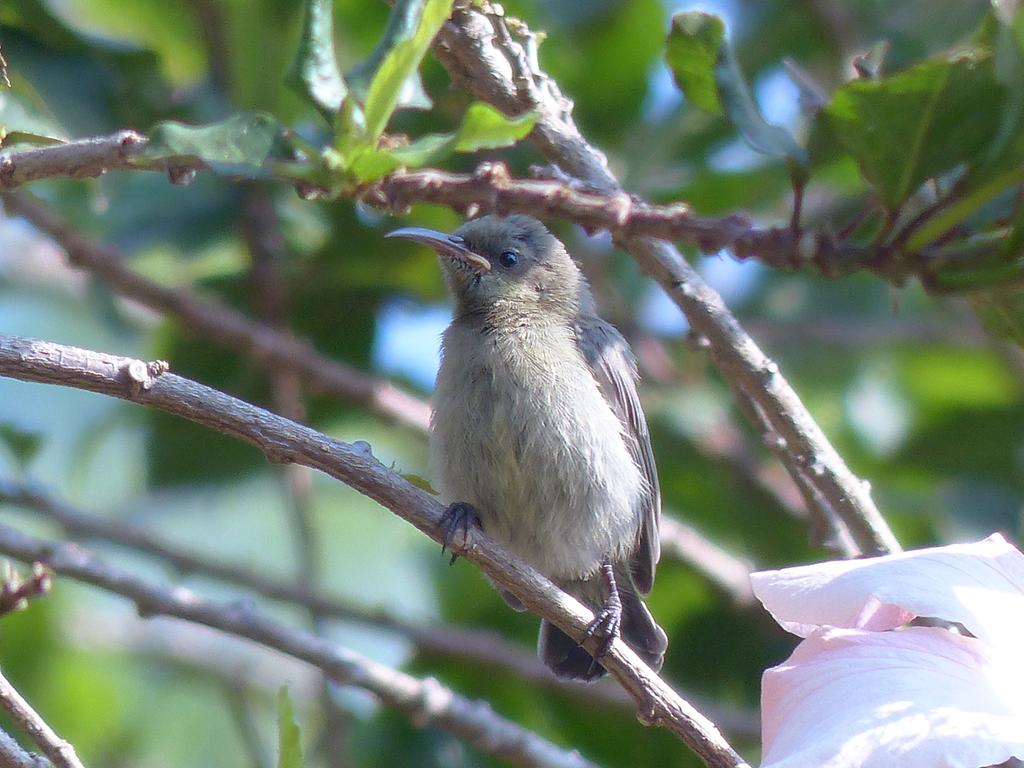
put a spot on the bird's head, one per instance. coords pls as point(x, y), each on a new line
point(511, 261)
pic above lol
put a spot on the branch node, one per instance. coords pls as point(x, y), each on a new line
point(364, 449)
point(647, 712)
point(494, 174)
point(434, 698)
point(769, 371)
point(307, 190)
point(698, 341)
point(127, 140)
point(141, 375)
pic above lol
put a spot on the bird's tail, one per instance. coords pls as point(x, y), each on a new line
point(571, 662)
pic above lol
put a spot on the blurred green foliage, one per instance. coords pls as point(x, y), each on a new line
point(913, 392)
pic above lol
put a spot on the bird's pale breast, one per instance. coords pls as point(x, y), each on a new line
point(523, 433)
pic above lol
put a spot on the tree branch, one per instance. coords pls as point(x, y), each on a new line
point(277, 350)
point(59, 752)
point(735, 353)
point(425, 702)
point(477, 646)
point(479, 51)
point(594, 204)
point(13, 755)
point(15, 591)
point(285, 441)
point(271, 348)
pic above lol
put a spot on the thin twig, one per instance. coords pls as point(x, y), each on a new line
point(15, 592)
point(475, 646)
point(479, 61)
point(284, 441)
point(594, 203)
point(731, 348)
point(13, 755)
point(58, 751)
point(276, 349)
point(268, 346)
point(425, 702)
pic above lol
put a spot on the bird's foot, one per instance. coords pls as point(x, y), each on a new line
point(605, 628)
point(457, 518)
point(608, 621)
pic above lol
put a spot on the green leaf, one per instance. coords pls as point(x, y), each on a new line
point(694, 43)
point(402, 23)
point(238, 145)
point(289, 737)
point(742, 110)
point(401, 61)
point(314, 73)
point(903, 129)
point(24, 119)
point(22, 445)
point(961, 210)
point(705, 68)
point(484, 127)
point(420, 482)
point(368, 163)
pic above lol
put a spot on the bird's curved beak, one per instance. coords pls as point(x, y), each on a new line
point(451, 246)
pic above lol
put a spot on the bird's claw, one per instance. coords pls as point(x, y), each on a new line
point(605, 627)
point(458, 517)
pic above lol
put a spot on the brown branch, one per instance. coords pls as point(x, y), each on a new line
point(281, 353)
point(425, 702)
point(284, 441)
point(595, 204)
point(13, 755)
point(480, 646)
point(83, 158)
point(476, 646)
point(734, 352)
point(268, 346)
point(15, 592)
point(490, 189)
point(479, 51)
point(58, 751)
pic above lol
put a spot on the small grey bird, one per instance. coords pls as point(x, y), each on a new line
point(538, 435)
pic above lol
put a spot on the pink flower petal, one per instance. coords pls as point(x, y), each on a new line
point(914, 698)
point(979, 585)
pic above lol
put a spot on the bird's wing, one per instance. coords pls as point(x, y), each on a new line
point(614, 368)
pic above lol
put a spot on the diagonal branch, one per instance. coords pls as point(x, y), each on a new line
point(479, 51)
point(279, 351)
point(60, 753)
point(425, 702)
point(354, 464)
point(473, 645)
point(13, 755)
point(270, 347)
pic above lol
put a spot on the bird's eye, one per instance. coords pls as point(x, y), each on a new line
point(508, 259)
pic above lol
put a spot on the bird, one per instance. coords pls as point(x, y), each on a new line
point(538, 436)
